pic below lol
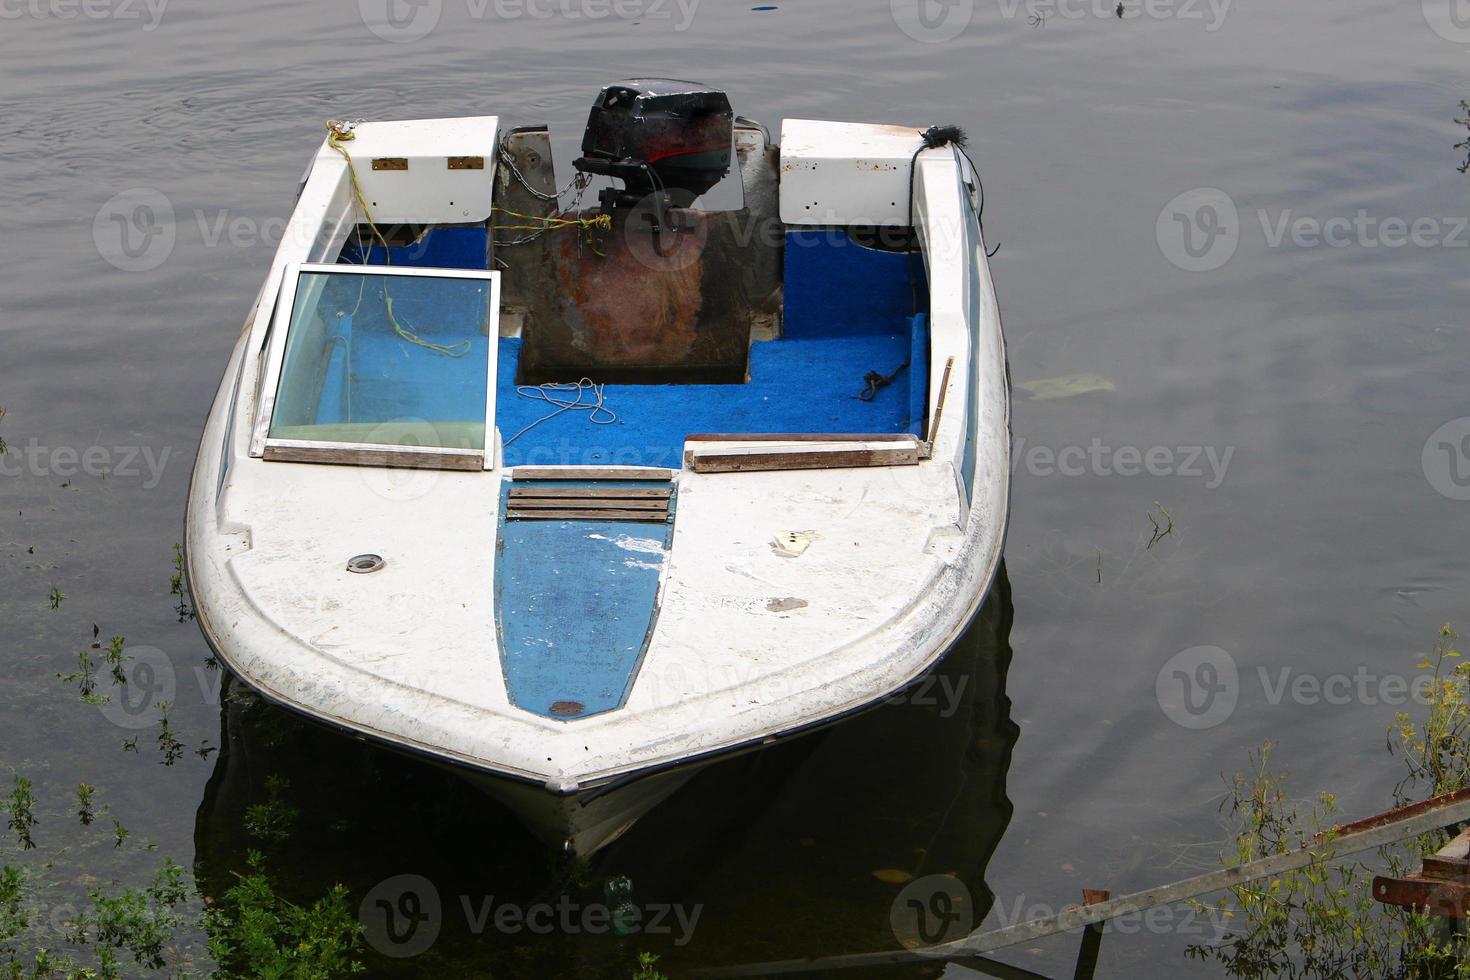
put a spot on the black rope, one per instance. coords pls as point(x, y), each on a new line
point(933, 138)
point(876, 380)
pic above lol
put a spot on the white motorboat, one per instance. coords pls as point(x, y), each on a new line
point(578, 499)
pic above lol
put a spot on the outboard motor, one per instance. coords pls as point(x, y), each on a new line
point(660, 137)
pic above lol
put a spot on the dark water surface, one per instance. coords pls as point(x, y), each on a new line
point(1284, 396)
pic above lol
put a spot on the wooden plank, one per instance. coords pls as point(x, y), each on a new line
point(1459, 848)
point(578, 503)
point(654, 517)
point(939, 408)
point(618, 493)
point(715, 462)
point(801, 437)
point(400, 458)
point(589, 473)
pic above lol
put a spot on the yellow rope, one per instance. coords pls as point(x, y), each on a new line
point(337, 134)
point(602, 222)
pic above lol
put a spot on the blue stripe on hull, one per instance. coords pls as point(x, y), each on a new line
point(575, 604)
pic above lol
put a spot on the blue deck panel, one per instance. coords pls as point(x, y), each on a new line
point(796, 386)
point(918, 381)
point(835, 287)
point(575, 603)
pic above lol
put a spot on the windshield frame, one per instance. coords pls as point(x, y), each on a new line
point(277, 449)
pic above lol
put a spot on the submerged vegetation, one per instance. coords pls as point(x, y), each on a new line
point(1323, 921)
point(252, 932)
point(179, 587)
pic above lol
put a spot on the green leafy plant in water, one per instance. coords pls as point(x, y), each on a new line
point(168, 740)
point(273, 821)
point(130, 931)
point(56, 597)
point(255, 933)
point(116, 660)
point(135, 924)
point(20, 807)
point(646, 968)
point(1438, 752)
point(138, 921)
point(86, 812)
point(1322, 920)
point(179, 587)
point(85, 676)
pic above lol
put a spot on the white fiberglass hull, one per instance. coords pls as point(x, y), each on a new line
point(777, 591)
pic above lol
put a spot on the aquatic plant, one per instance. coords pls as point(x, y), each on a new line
point(255, 933)
point(179, 587)
point(1322, 920)
point(168, 740)
point(1161, 531)
point(20, 808)
point(134, 930)
point(273, 821)
point(646, 969)
point(85, 812)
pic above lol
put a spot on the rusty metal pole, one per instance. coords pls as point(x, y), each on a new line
point(1091, 937)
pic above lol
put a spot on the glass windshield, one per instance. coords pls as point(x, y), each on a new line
point(386, 360)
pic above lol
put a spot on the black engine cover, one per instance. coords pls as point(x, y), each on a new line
point(660, 134)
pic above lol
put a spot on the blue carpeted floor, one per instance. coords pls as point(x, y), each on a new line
point(847, 313)
point(796, 385)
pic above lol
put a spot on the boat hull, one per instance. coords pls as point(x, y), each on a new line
point(581, 672)
point(581, 824)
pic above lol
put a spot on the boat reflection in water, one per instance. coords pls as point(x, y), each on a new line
point(834, 843)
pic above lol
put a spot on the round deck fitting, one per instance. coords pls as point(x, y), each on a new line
point(366, 564)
